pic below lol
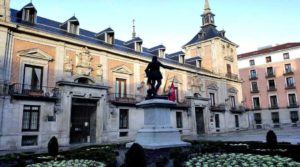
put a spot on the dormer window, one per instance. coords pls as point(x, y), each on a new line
point(30, 16)
point(198, 63)
point(181, 59)
point(29, 13)
point(73, 27)
point(138, 46)
point(110, 38)
point(161, 53)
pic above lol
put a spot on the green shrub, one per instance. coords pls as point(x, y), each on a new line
point(271, 139)
point(135, 156)
point(53, 147)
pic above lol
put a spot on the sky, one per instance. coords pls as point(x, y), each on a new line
point(249, 23)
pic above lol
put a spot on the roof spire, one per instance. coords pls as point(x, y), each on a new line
point(206, 7)
point(133, 29)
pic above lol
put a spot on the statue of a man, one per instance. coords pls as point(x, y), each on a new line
point(154, 75)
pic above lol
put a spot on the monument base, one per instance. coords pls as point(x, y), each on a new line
point(157, 131)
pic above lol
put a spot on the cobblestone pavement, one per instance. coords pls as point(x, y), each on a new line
point(291, 135)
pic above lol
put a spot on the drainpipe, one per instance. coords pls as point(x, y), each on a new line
point(6, 72)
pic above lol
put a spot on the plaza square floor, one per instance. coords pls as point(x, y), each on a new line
point(291, 135)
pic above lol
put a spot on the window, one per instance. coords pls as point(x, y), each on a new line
point(212, 99)
point(179, 119)
point(176, 94)
point(288, 68)
point(198, 63)
point(74, 28)
point(256, 103)
point(268, 59)
point(236, 118)
point(32, 78)
point(273, 101)
point(253, 74)
point(138, 46)
point(252, 62)
point(29, 15)
point(271, 84)
point(29, 140)
point(217, 121)
point(228, 69)
point(110, 38)
point(124, 124)
point(181, 59)
point(161, 53)
point(31, 117)
point(270, 71)
point(120, 88)
point(232, 101)
point(254, 86)
point(290, 81)
point(294, 116)
point(292, 99)
point(257, 118)
point(286, 56)
point(275, 117)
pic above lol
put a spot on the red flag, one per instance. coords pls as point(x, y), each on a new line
point(172, 93)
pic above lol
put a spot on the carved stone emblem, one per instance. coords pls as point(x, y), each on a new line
point(84, 62)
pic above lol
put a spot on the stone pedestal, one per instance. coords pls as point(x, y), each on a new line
point(157, 131)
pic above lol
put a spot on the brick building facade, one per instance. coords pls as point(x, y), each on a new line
point(270, 88)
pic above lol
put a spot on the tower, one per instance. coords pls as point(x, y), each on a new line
point(217, 52)
point(5, 10)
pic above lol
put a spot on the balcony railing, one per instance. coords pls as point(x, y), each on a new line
point(125, 99)
point(290, 86)
point(253, 77)
point(272, 88)
point(254, 91)
point(293, 105)
point(273, 106)
point(218, 108)
point(232, 76)
point(256, 108)
point(18, 90)
point(270, 74)
point(288, 72)
point(238, 109)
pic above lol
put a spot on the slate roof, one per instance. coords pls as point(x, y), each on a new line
point(136, 39)
point(269, 50)
point(207, 32)
point(104, 31)
point(175, 54)
point(29, 5)
point(54, 27)
point(157, 48)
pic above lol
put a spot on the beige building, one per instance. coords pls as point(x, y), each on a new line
point(81, 86)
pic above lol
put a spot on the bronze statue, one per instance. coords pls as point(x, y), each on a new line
point(154, 76)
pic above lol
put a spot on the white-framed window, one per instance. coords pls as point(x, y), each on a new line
point(286, 56)
point(181, 59)
point(138, 47)
point(232, 101)
point(253, 73)
point(256, 102)
point(271, 84)
point(292, 99)
point(290, 82)
point(254, 87)
point(288, 68)
point(31, 118)
point(29, 15)
point(252, 62)
point(273, 101)
point(268, 59)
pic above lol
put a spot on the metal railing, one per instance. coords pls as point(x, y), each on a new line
point(238, 109)
point(218, 108)
point(18, 89)
point(125, 98)
point(232, 76)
